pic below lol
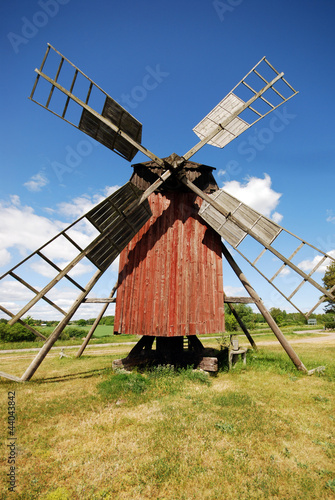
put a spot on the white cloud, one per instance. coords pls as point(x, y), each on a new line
point(46, 270)
point(257, 193)
point(276, 217)
point(36, 182)
point(5, 257)
point(331, 216)
point(14, 291)
point(285, 271)
point(308, 265)
point(234, 291)
point(24, 230)
point(21, 228)
point(84, 203)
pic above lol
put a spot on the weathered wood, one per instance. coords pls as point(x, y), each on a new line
point(169, 350)
point(99, 301)
point(58, 269)
point(239, 225)
point(144, 344)
point(195, 343)
point(239, 300)
point(147, 358)
point(104, 238)
point(149, 283)
point(242, 325)
point(230, 118)
point(146, 173)
point(208, 364)
point(27, 285)
point(99, 117)
point(95, 324)
point(10, 377)
point(59, 328)
point(267, 316)
point(233, 355)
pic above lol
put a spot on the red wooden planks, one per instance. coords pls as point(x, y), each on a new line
point(170, 274)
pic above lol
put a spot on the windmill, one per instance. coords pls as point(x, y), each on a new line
point(167, 222)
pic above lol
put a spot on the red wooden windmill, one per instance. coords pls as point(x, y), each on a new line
point(166, 222)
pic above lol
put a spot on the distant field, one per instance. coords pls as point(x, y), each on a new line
point(104, 334)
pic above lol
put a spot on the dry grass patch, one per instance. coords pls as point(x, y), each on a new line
point(261, 432)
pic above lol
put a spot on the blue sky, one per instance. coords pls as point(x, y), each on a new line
point(199, 50)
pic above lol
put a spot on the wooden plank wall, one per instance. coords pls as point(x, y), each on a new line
point(170, 280)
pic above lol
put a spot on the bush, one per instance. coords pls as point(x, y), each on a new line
point(15, 333)
point(330, 325)
point(75, 332)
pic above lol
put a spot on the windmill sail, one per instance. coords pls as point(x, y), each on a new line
point(253, 98)
point(75, 98)
point(111, 231)
point(235, 221)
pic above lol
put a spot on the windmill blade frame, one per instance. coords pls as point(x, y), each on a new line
point(115, 230)
point(234, 220)
point(114, 127)
point(224, 123)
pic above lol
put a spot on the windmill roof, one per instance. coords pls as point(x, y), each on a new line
point(201, 175)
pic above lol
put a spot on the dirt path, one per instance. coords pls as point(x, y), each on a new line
point(321, 337)
point(324, 337)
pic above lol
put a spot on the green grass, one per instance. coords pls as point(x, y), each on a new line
point(264, 431)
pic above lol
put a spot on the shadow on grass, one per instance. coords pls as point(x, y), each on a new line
point(73, 376)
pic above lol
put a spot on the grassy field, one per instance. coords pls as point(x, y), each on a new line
point(104, 335)
point(84, 432)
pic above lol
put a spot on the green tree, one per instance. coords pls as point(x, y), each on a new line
point(329, 282)
point(278, 315)
point(81, 322)
point(245, 313)
point(15, 333)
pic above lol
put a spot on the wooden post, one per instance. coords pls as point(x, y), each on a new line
point(95, 324)
point(263, 310)
point(242, 325)
point(59, 328)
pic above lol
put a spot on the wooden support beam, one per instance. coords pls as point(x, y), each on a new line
point(95, 324)
point(263, 310)
point(59, 328)
point(239, 300)
point(99, 301)
point(195, 343)
point(10, 377)
point(15, 276)
point(242, 325)
point(58, 269)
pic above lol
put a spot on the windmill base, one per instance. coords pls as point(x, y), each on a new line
point(170, 351)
